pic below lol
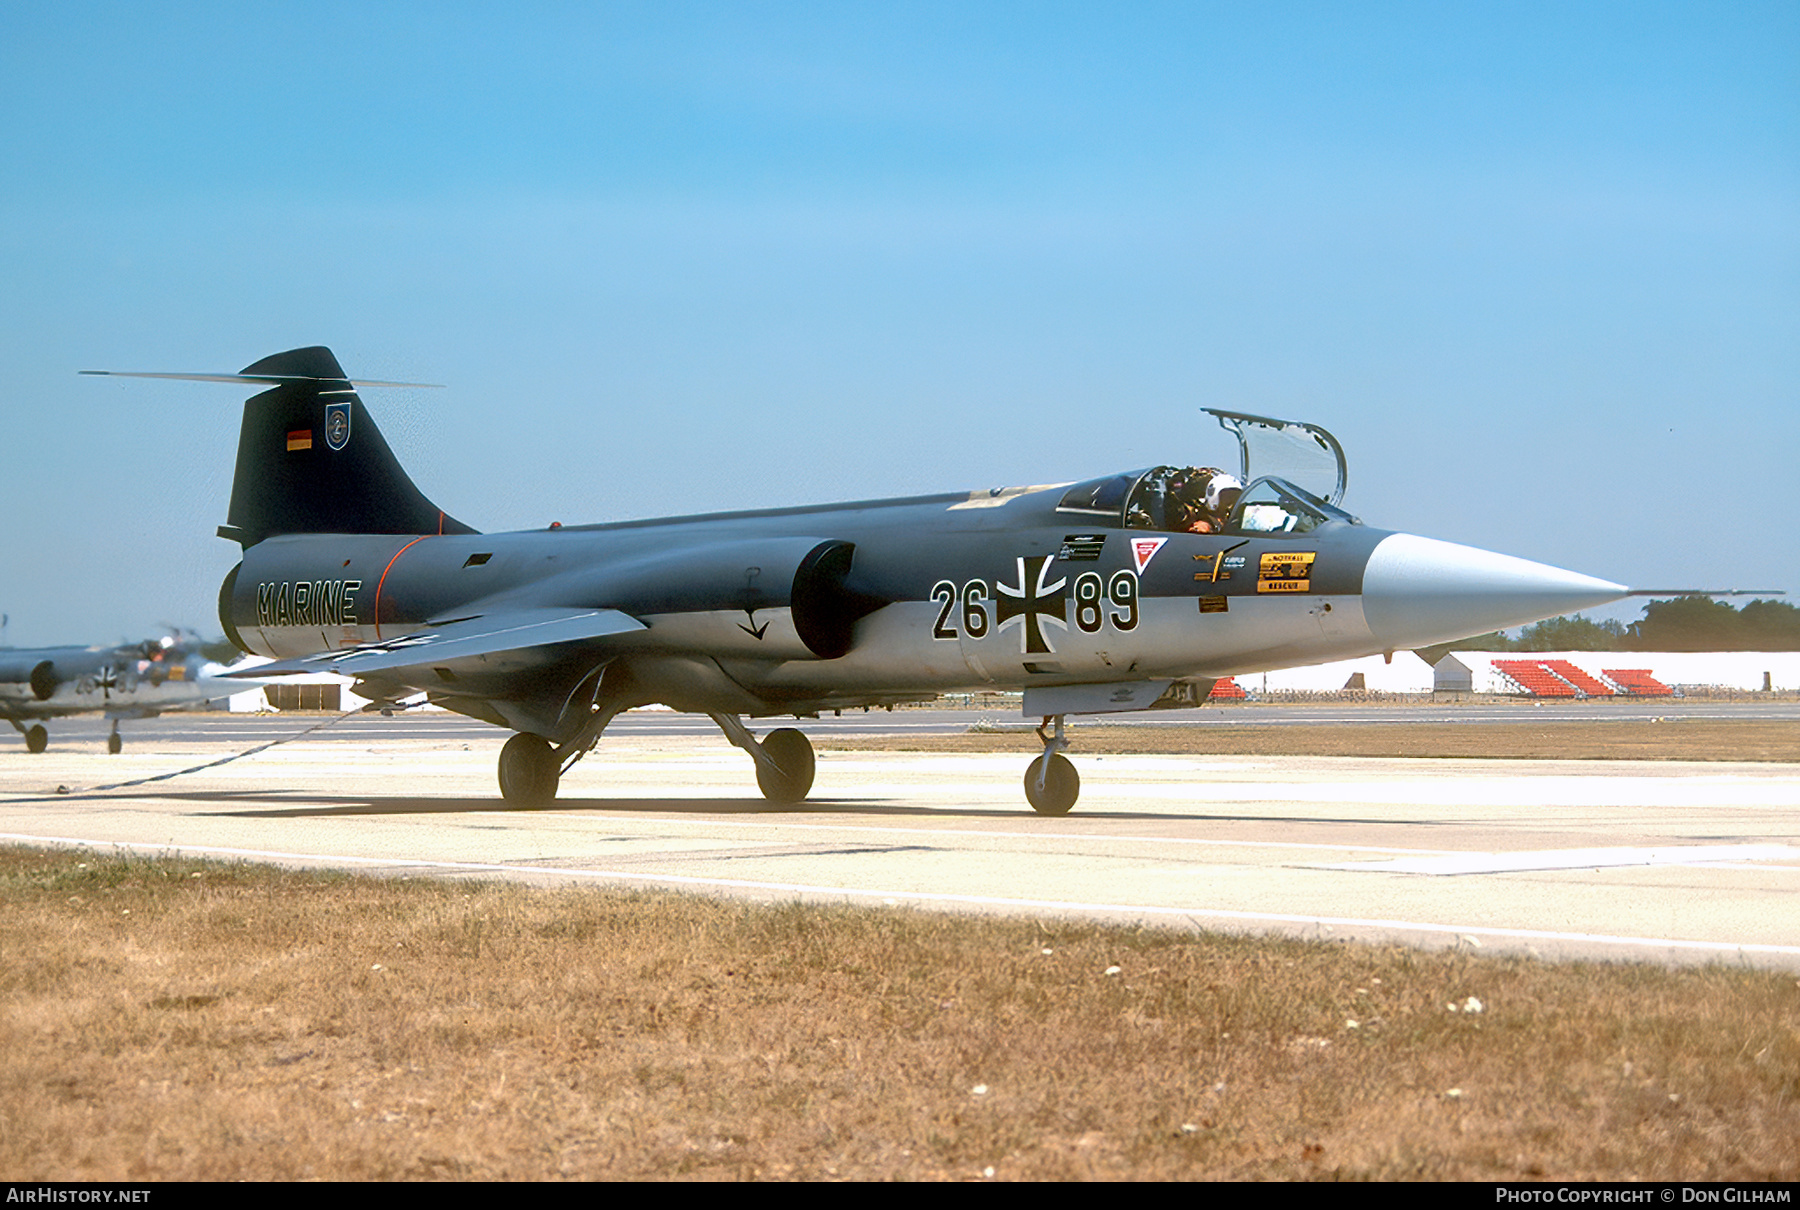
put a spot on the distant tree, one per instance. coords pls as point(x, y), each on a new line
point(1771, 626)
point(1703, 624)
point(1684, 624)
point(1681, 624)
point(1571, 634)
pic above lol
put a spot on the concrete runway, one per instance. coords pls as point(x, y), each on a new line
point(1669, 862)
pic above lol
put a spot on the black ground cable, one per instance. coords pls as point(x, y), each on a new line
point(213, 764)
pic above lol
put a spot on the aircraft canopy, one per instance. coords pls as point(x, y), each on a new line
point(1305, 455)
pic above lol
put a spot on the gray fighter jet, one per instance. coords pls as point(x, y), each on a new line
point(136, 680)
point(1130, 591)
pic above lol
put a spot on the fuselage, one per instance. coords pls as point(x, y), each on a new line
point(1008, 589)
point(1131, 591)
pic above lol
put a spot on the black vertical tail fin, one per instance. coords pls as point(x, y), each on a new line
point(310, 460)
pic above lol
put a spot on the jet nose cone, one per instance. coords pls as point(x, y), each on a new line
point(1418, 591)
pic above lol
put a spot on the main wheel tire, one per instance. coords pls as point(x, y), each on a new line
point(790, 749)
point(528, 771)
point(36, 738)
point(115, 743)
point(1062, 785)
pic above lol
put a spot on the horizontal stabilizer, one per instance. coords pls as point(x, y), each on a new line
point(257, 379)
point(487, 634)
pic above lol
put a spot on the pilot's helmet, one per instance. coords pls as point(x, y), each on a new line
point(1222, 492)
point(1190, 485)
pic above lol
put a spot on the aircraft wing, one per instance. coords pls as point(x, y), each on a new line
point(484, 634)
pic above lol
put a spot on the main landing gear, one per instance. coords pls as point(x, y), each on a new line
point(531, 768)
point(38, 740)
point(1051, 783)
point(784, 758)
point(529, 771)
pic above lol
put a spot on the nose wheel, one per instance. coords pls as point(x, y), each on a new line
point(1051, 783)
point(115, 743)
point(36, 738)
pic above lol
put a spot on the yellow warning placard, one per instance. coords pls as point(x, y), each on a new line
point(1285, 571)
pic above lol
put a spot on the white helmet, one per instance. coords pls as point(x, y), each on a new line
point(1216, 489)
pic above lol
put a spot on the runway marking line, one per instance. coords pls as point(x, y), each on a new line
point(895, 897)
point(763, 824)
point(1572, 859)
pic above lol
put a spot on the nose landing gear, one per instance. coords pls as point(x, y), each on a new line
point(1051, 783)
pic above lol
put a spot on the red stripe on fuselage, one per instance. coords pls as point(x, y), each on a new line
point(379, 583)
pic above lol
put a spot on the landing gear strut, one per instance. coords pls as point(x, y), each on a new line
point(1051, 783)
point(784, 759)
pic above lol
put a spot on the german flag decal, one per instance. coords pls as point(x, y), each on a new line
point(299, 439)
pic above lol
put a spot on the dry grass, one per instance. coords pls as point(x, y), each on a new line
point(1553, 739)
point(180, 1021)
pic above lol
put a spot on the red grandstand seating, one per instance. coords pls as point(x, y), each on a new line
point(1535, 679)
point(1581, 680)
point(1637, 681)
point(1226, 689)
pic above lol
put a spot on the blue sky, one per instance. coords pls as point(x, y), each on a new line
point(1537, 266)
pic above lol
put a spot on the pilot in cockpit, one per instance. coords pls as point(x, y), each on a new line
point(1204, 496)
point(1222, 492)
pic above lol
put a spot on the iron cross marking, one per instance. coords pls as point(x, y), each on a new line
point(1033, 604)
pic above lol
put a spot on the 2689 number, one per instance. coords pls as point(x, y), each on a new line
point(1097, 602)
